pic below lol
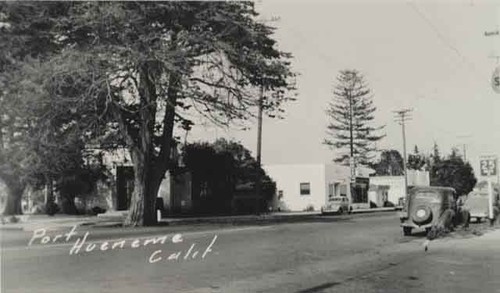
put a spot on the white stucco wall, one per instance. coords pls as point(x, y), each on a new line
point(397, 183)
point(288, 178)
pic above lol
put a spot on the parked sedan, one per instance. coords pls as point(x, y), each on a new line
point(477, 204)
point(337, 204)
point(431, 206)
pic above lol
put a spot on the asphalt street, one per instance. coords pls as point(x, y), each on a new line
point(356, 253)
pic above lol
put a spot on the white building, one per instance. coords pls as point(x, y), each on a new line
point(301, 187)
point(397, 183)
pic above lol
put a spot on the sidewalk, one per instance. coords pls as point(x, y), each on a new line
point(33, 222)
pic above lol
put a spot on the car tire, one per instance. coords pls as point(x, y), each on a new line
point(407, 231)
point(341, 211)
point(427, 230)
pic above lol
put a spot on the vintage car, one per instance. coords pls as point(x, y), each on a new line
point(477, 204)
point(425, 205)
point(337, 204)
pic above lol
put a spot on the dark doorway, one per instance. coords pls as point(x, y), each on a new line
point(124, 187)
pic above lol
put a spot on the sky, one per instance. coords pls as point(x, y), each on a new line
point(429, 56)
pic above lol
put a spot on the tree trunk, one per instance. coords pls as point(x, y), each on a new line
point(149, 168)
point(142, 204)
point(14, 197)
point(68, 205)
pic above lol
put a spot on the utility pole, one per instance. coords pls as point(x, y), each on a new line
point(258, 183)
point(401, 117)
point(463, 143)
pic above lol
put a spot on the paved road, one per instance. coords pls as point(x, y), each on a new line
point(329, 254)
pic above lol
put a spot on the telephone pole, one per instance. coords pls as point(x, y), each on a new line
point(401, 117)
point(258, 183)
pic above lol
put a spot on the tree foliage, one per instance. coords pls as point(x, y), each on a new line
point(352, 112)
point(134, 71)
point(390, 164)
point(416, 161)
point(452, 172)
point(222, 169)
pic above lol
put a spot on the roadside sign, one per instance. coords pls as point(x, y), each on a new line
point(495, 80)
point(488, 166)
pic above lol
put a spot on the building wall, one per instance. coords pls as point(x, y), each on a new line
point(397, 183)
point(288, 179)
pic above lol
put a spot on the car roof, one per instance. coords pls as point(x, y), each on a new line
point(431, 188)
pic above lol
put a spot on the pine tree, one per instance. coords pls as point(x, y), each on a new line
point(351, 113)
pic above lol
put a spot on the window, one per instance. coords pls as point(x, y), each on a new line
point(343, 190)
point(305, 188)
point(331, 190)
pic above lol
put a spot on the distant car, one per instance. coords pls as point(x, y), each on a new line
point(401, 203)
point(337, 204)
point(477, 204)
point(427, 206)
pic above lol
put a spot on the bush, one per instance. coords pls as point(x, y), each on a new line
point(309, 208)
point(52, 208)
point(38, 209)
point(388, 204)
point(97, 210)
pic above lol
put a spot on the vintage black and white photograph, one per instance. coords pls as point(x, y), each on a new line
point(250, 146)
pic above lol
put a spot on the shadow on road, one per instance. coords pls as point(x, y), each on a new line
point(320, 288)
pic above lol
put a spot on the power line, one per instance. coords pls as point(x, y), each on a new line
point(443, 38)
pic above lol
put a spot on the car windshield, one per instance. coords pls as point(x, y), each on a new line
point(478, 194)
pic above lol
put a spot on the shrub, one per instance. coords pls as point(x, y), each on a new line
point(52, 208)
point(97, 210)
point(309, 208)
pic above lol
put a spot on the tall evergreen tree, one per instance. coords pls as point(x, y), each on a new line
point(351, 112)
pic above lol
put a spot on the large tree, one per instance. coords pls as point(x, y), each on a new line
point(141, 68)
point(352, 112)
point(222, 169)
point(452, 172)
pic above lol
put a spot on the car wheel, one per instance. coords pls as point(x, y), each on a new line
point(407, 231)
point(478, 220)
point(427, 230)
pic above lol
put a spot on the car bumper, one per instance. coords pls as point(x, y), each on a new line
point(330, 209)
point(478, 215)
point(413, 225)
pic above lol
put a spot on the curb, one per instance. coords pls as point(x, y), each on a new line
point(257, 219)
point(366, 211)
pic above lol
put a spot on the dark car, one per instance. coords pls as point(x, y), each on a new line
point(426, 206)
